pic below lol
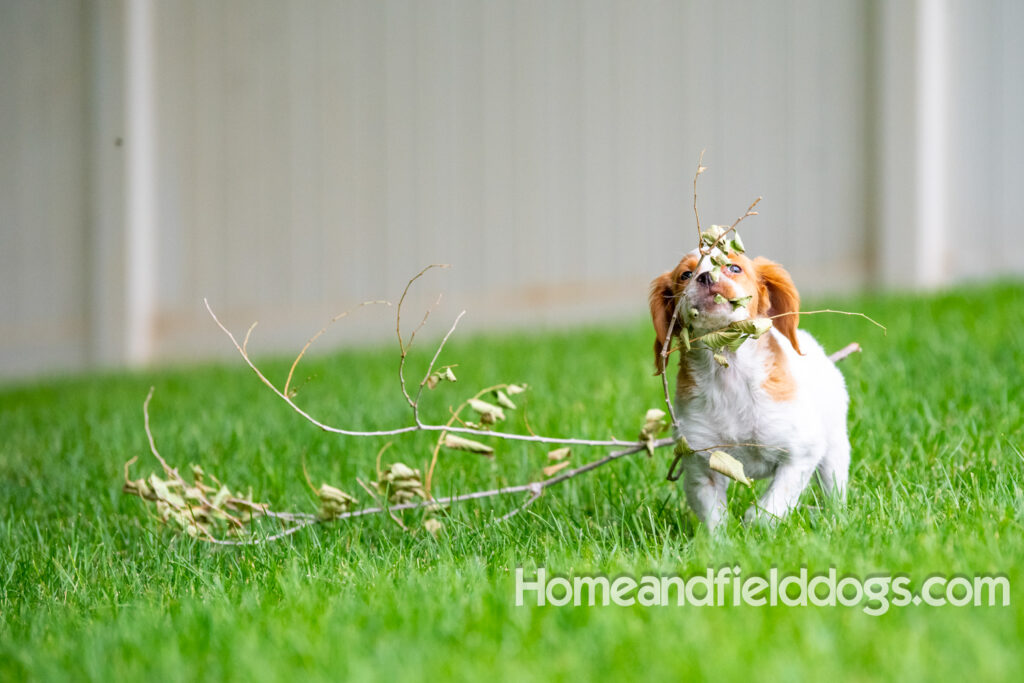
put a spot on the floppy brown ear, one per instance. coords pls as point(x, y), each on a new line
point(662, 304)
point(782, 297)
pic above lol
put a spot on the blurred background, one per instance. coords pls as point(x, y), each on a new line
point(289, 160)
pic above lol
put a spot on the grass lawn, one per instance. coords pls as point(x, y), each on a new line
point(93, 588)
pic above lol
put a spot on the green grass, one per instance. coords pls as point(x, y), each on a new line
point(92, 588)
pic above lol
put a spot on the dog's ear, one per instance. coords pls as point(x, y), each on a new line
point(663, 302)
point(779, 296)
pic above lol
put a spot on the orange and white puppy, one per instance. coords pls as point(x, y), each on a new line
point(780, 393)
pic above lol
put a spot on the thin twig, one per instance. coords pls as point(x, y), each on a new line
point(403, 347)
point(476, 495)
point(289, 516)
point(316, 336)
point(309, 482)
point(404, 356)
point(380, 454)
point(454, 418)
point(410, 428)
point(423, 321)
point(664, 365)
point(152, 442)
point(874, 322)
point(732, 228)
point(267, 539)
point(534, 495)
point(245, 344)
point(749, 212)
point(430, 368)
point(526, 420)
point(398, 321)
point(700, 169)
point(706, 250)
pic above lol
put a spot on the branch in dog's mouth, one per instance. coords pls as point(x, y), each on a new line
point(707, 313)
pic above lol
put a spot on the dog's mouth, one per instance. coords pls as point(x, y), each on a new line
point(707, 310)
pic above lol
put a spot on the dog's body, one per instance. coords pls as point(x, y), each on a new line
point(780, 395)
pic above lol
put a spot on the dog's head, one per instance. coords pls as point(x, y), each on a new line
point(692, 289)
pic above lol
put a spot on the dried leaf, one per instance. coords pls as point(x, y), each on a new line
point(398, 470)
point(722, 462)
point(197, 509)
point(460, 444)
point(560, 454)
point(162, 490)
point(400, 483)
point(740, 302)
point(552, 469)
point(514, 389)
point(682, 446)
point(400, 497)
point(654, 424)
point(721, 360)
point(138, 487)
point(503, 400)
point(489, 413)
point(333, 501)
point(193, 494)
point(754, 327)
point(444, 375)
point(711, 235)
point(722, 338)
point(222, 495)
point(328, 492)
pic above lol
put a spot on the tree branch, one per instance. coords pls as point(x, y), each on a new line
point(410, 428)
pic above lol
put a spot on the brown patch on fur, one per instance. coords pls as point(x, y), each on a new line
point(685, 383)
point(777, 295)
point(746, 283)
point(665, 292)
point(779, 383)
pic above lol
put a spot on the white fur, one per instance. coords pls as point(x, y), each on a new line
point(729, 405)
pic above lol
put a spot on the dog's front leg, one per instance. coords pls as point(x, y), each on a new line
point(705, 492)
point(782, 494)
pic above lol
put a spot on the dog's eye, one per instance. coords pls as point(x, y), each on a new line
point(733, 268)
point(687, 275)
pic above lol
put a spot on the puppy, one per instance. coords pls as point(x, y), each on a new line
point(779, 393)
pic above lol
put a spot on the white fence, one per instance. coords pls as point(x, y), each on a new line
point(290, 159)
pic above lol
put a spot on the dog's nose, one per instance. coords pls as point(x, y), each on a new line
point(704, 278)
